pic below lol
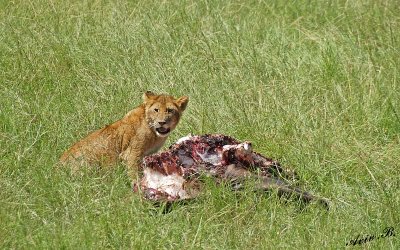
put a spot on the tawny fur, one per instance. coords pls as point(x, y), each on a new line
point(140, 132)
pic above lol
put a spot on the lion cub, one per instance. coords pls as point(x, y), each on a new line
point(141, 132)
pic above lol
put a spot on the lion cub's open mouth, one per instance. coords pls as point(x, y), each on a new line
point(163, 131)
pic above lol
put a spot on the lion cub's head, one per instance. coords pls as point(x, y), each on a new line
point(163, 112)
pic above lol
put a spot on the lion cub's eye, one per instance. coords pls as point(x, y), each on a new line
point(170, 111)
point(156, 110)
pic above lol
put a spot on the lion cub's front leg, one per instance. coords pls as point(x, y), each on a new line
point(132, 158)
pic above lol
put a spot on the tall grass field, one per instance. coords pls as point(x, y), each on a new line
point(312, 84)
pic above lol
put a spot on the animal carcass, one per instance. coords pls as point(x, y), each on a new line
point(175, 173)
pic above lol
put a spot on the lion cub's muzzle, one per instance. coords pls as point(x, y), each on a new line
point(161, 131)
point(162, 128)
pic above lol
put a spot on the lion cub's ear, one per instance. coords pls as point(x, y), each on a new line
point(182, 102)
point(148, 95)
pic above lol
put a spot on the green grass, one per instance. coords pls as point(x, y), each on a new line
point(314, 84)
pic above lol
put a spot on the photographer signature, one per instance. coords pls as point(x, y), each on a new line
point(387, 232)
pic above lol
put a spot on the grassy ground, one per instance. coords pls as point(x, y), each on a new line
point(314, 84)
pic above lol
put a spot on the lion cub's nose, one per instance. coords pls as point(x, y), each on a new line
point(162, 123)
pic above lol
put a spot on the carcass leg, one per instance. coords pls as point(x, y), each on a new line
point(284, 189)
